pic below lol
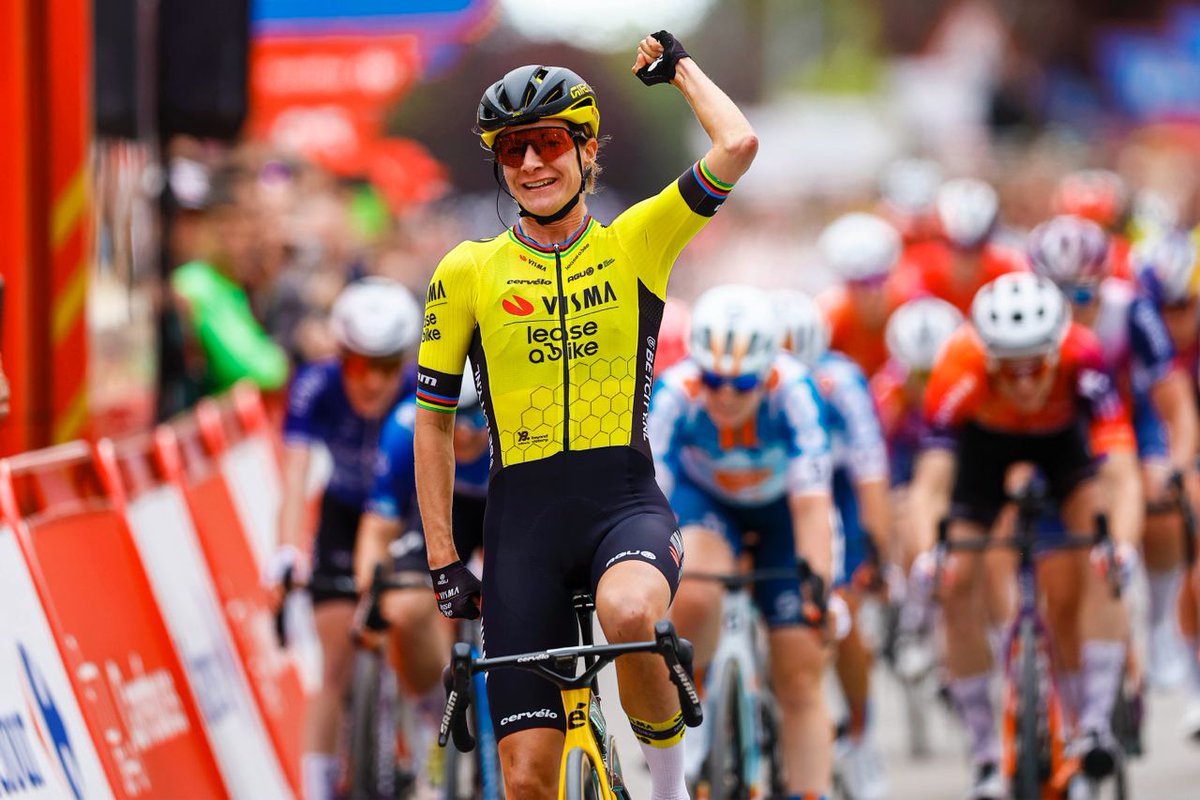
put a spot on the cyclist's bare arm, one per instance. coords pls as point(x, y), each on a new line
point(814, 536)
point(875, 512)
point(375, 532)
point(1172, 398)
point(1121, 488)
point(433, 448)
point(929, 495)
point(296, 460)
point(734, 143)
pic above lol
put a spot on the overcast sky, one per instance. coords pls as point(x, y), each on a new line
point(603, 24)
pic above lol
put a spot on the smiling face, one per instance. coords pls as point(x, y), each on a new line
point(548, 174)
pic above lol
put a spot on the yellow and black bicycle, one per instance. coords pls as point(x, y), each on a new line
point(590, 767)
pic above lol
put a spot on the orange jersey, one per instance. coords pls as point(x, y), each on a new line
point(961, 390)
point(849, 333)
point(928, 269)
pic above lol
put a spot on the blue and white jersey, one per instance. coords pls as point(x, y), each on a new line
point(857, 441)
point(393, 494)
point(319, 412)
point(1134, 337)
point(783, 449)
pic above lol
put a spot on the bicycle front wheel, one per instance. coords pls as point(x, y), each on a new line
point(726, 755)
point(1027, 777)
point(372, 732)
point(582, 781)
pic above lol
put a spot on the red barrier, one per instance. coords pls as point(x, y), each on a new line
point(112, 639)
point(190, 462)
point(234, 426)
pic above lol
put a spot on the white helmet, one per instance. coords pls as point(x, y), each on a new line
point(734, 331)
point(917, 330)
point(908, 185)
point(804, 328)
point(376, 317)
point(860, 246)
point(968, 210)
point(1019, 315)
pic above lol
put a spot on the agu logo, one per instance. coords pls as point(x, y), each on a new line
point(51, 729)
point(517, 306)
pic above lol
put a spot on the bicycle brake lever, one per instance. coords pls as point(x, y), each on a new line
point(457, 679)
point(678, 654)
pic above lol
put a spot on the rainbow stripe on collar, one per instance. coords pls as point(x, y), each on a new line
point(564, 247)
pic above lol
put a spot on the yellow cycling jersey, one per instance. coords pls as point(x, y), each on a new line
point(561, 338)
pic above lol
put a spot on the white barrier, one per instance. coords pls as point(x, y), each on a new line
point(184, 592)
point(45, 748)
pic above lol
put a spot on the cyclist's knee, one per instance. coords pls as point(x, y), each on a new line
point(632, 596)
point(530, 762)
point(409, 612)
point(696, 601)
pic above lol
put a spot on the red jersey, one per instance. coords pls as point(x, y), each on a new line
point(849, 334)
point(962, 390)
point(928, 269)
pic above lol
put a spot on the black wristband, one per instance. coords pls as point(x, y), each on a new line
point(663, 70)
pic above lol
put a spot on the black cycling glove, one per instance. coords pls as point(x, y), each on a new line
point(663, 70)
point(458, 591)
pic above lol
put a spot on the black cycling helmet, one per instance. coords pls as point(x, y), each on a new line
point(536, 92)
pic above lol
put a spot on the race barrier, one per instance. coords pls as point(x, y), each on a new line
point(138, 654)
point(159, 519)
point(135, 698)
point(189, 461)
point(45, 750)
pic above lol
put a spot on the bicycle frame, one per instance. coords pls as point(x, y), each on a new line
point(578, 691)
point(739, 646)
point(1031, 504)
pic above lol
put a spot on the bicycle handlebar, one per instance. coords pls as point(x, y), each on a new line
point(552, 665)
point(370, 619)
point(812, 585)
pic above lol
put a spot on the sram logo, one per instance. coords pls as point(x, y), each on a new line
point(517, 306)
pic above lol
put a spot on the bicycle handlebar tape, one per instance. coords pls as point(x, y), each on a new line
point(457, 680)
point(280, 617)
point(678, 654)
point(943, 530)
point(662, 70)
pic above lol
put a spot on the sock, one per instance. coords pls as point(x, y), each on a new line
point(1193, 645)
point(1070, 693)
point(1103, 667)
point(974, 703)
point(1164, 590)
point(997, 638)
point(318, 773)
point(662, 746)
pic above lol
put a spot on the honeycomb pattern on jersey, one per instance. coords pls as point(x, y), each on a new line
point(601, 412)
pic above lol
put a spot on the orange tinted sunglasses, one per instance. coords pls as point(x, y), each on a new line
point(548, 143)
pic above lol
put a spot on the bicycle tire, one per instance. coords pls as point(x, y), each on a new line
point(725, 770)
point(582, 781)
point(455, 784)
point(1027, 775)
point(364, 727)
point(770, 747)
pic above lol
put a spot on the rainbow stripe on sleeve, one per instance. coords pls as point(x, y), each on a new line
point(436, 402)
point(709, 182)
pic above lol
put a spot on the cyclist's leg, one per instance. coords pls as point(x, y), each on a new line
point(1162, 550)
point(799, 656)
point(334, 614)
point(1189, 622)
point(528, 575)
point(1103, 625)
point(1061, 575)
point(711, 541)
point(418, 635)
point(635, 570)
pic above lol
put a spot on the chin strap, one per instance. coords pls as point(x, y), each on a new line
point(567, 207)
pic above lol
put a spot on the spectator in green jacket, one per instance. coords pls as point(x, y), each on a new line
point(231, 342)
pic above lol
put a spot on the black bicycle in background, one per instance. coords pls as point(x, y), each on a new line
point(1033, 726)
